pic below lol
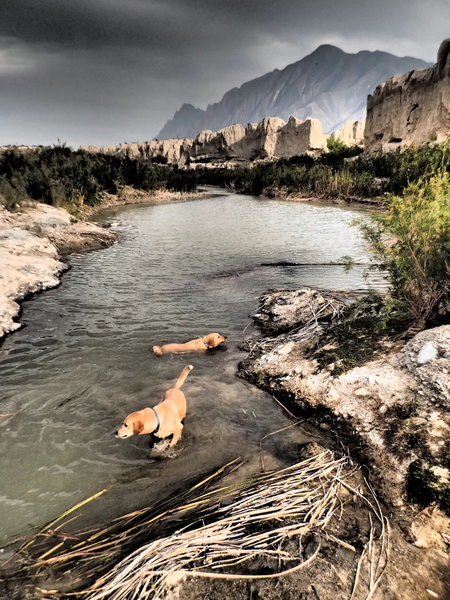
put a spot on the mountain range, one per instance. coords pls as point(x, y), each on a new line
point(328, 84)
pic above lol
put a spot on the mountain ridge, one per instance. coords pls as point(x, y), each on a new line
point(317, 86)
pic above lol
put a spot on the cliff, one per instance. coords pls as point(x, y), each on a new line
point(411, 109)
point(351, 133)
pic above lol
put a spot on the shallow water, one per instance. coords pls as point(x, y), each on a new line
point(83, 361)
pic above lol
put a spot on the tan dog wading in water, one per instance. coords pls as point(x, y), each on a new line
point(212, 340)
point(164, 419)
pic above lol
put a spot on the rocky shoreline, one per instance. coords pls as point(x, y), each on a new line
point(391, 413)
point(35, 240)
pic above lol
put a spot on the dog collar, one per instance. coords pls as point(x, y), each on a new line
point(158, 422)
point(206, 344)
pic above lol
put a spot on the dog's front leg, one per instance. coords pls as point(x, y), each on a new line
point(176, 436)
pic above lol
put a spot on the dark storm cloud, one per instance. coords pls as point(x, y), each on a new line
point(105, 71)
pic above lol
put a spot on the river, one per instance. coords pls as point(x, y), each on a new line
point(83, 361)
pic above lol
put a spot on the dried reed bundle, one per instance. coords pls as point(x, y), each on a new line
point(295, 501)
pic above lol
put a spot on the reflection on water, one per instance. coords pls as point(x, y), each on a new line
point(84, 361)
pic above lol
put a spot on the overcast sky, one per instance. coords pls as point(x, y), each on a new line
point(108, 71)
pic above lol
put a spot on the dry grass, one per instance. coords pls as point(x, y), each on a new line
point(220, 534)
point(310, 331)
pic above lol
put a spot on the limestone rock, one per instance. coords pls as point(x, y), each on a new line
point(284, 310)
point(425, 358)
point(173, 151)
point(427, 352)
point(411, 109)
point(395, 409)
point(270, 138)
point(299, 137)
point(351, 133)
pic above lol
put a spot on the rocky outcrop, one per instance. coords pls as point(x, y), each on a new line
point(286, 310)
point(174, 151)
point(394, 410)
point(30, 242)
point(411, 109)
point(270, 138)
point(351, 133)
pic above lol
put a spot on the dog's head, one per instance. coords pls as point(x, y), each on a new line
point(132, 424)
point(215, 339)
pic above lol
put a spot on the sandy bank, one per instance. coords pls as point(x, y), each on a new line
point(129, 195)
point(283, 194)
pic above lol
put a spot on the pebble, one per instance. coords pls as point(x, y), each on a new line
point(427, 352)
point(362, 392)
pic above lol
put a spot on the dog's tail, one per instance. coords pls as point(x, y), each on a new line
point(182, 378)
point(157, 350)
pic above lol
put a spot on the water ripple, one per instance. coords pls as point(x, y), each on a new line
point(84, 359)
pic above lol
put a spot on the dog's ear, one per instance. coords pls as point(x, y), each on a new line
point(138, 426)
point(211, 340)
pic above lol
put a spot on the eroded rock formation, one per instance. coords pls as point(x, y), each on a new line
point(411, 109)
point(270, 138)
point(351, 133)
point(396, 406)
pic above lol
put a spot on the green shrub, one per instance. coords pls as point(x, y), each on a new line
point(61, 176)
point(412, 241)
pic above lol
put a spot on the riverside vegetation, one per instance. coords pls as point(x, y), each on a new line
point(413, 186)
point(60, 176)
point(342, 172)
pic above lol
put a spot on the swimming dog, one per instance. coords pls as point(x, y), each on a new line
point(164, 419)
point(212, 340)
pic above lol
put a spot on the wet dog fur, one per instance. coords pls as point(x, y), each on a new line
point(207, 342)
point(170, 411)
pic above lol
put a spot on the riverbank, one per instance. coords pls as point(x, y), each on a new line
point(391, 412)
point(33, 241)
point(129, 195)
point(281, 193)
point(36, 239)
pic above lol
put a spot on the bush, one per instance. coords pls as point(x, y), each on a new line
point(61, 176)
point(341, 172)
point(412, 241)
